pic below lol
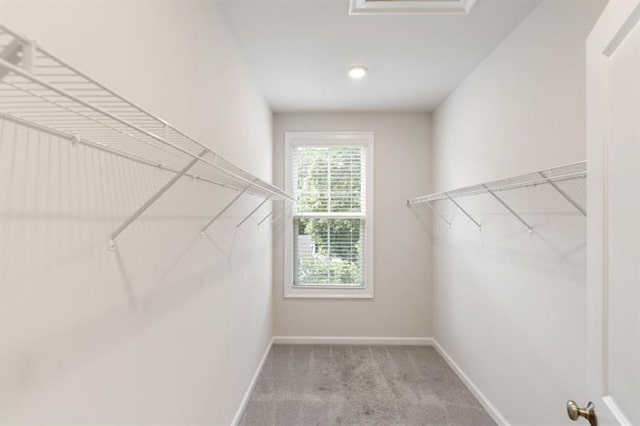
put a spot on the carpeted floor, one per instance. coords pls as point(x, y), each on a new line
point(360, 385)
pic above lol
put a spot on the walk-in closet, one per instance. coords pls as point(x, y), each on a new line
point(320, 212)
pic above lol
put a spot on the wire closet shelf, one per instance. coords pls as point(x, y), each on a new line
point(41, 91)
point(551, 177)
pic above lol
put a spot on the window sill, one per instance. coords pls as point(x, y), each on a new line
point(328, 293)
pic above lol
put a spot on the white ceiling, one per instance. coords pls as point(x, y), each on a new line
point(299, 51)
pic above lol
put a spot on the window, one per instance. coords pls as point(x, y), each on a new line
point(328, 233)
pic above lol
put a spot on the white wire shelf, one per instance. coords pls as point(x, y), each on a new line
point(41, 91)
point(549, 177)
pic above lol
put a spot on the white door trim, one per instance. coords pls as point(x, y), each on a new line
point(615, 23)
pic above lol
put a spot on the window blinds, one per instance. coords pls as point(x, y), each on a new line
point(329, 217)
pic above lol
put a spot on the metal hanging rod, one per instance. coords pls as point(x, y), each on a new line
point(41, 91)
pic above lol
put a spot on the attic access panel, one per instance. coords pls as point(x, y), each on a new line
point(410, 7)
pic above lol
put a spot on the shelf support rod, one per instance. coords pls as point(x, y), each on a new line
point(438, 213)
point(566, 196)
point(464, 211)
point(428, 203)
point(253, 211)
point(227, 207)
point(153, 199)
point(513, 212)
point(265, 218)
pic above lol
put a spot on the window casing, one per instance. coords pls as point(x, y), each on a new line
point(329, 230)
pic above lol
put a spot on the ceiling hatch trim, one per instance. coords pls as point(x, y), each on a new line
point(411, 7)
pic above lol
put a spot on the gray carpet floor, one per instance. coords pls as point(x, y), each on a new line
point(360, 385)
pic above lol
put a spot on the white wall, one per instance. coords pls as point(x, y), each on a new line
point(401, 307)
point(508, 307)
point(170, 328)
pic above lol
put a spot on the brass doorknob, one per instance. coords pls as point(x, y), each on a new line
point(589, 412)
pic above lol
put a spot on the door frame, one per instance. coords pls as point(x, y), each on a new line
point(617, 20)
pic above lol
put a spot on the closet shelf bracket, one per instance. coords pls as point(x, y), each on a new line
point(564, 195)
point(431, 206)
point(513, 212)
point(153, 199)
point(227, 207)
point(265, 218)
point(465, 212)
point(252, 212)
point(435, 211)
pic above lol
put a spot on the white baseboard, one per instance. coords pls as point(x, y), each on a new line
point(329, 340)
point(252, 385)
point(484, 401)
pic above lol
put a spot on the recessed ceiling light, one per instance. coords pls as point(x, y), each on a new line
point(357, 72)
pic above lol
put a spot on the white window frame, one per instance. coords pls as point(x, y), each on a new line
point(332, 292)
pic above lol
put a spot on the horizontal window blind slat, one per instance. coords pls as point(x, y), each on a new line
point(341, 215)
